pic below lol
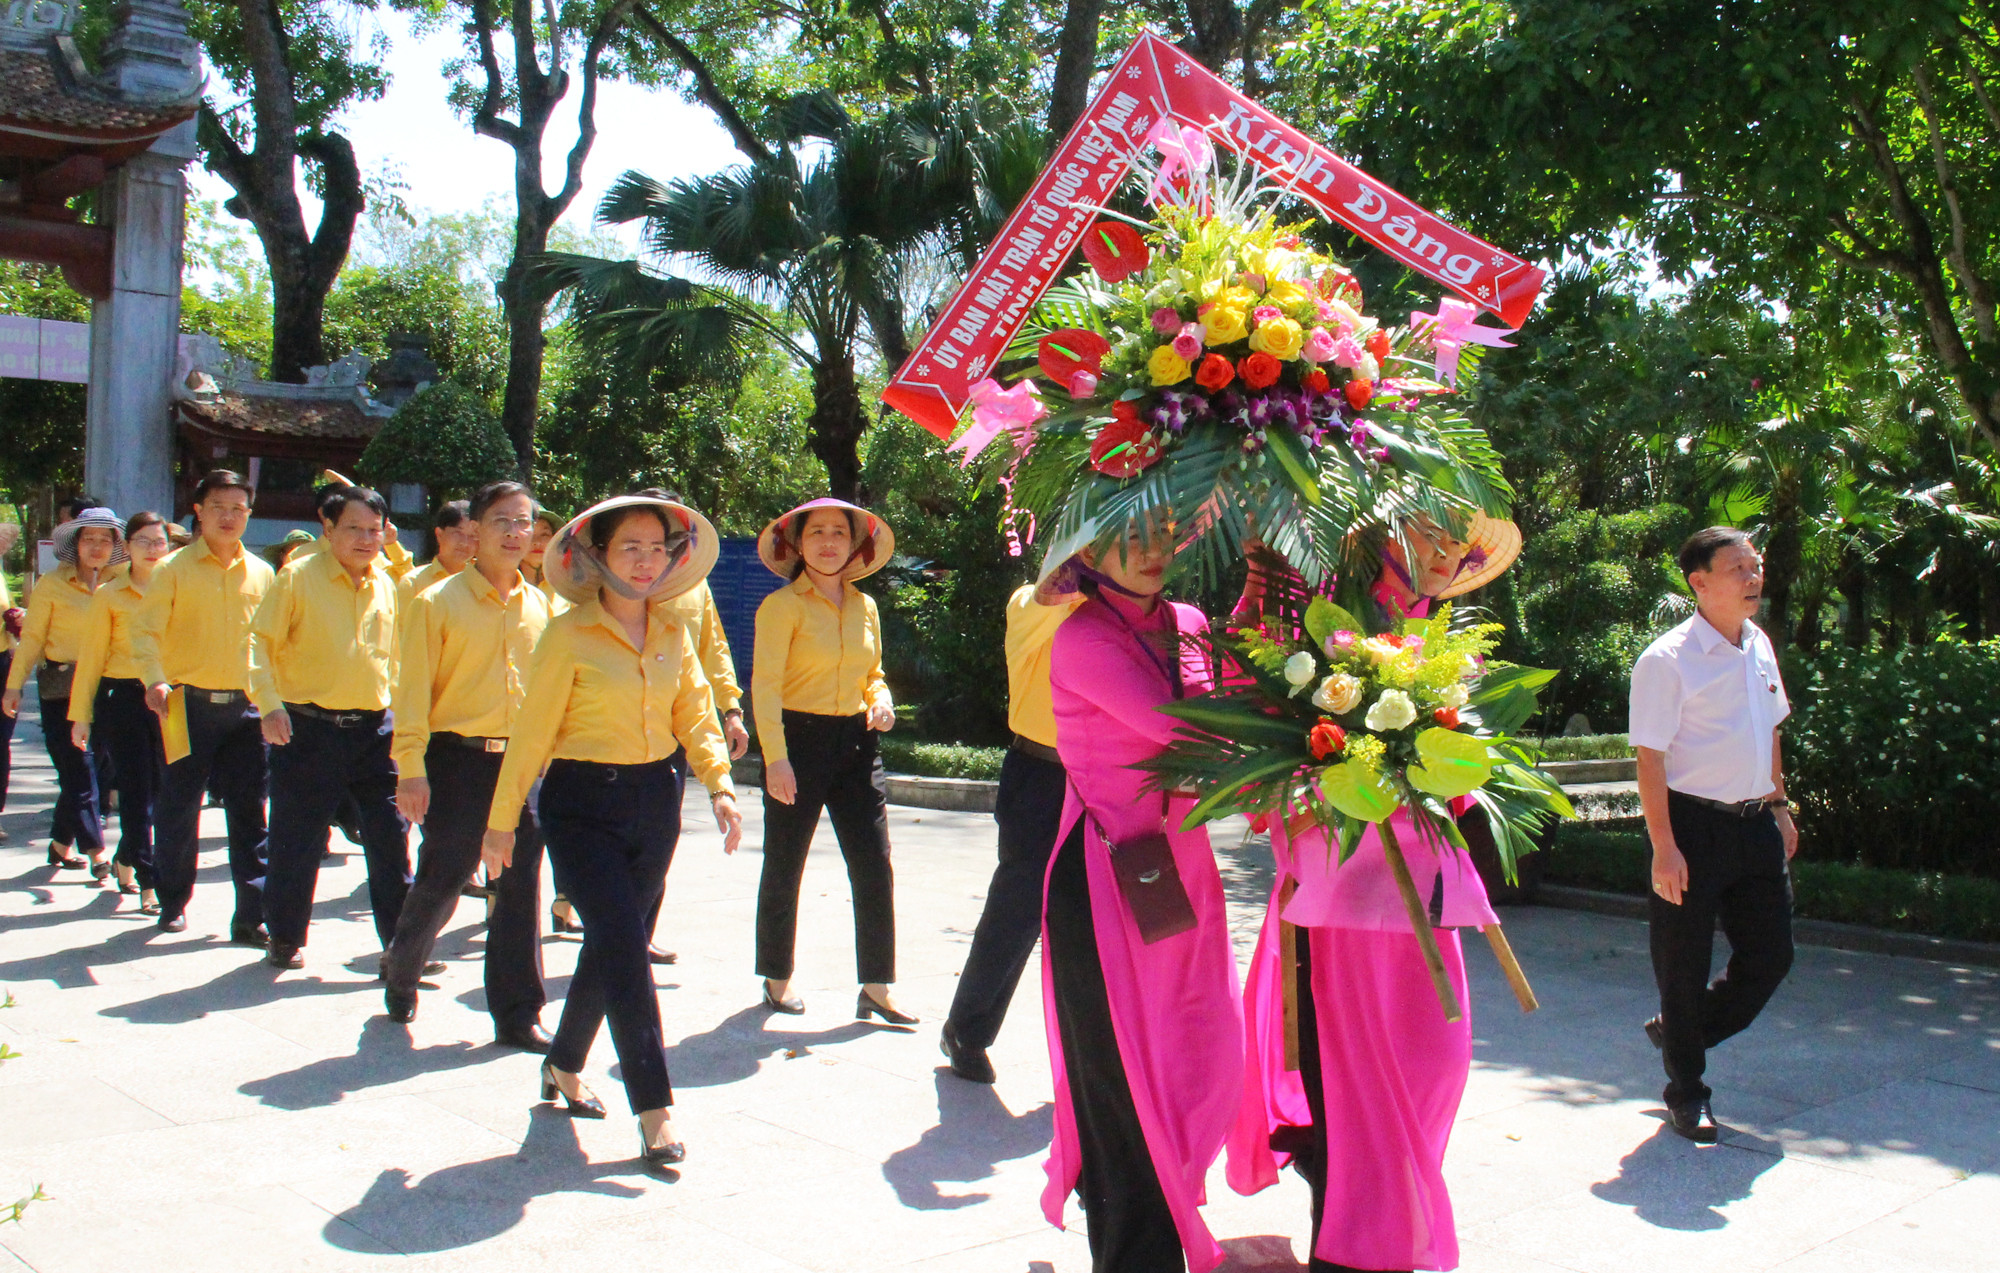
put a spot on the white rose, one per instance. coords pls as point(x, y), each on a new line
point(1379, 650)
point(1454, 696)
point(1369, 369)
point(1339, 694)
point(1300, 670)
point(1393, 710)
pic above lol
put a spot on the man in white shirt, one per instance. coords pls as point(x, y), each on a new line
point(1707, 701)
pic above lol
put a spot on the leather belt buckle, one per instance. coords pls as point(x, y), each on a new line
point(221, 697)
point(495, 744)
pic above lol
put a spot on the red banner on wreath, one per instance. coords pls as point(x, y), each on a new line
point(1154, 80)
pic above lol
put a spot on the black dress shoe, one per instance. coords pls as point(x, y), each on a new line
point(528, 1038)
point(660, 1155)
point(791, 1005)
point(586, 1107)
point(431, 968)
point(659, 956)
point(1657, 1033)
point(866, 1005)
point(174, 923)
point(255, 938)
point(74, 862)
point(279, 955)
point(969, 1063)
point(402, 1009)
point(1696, 1122)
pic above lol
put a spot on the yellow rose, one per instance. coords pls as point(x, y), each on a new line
point(1280, 337)
point(1168, 367)
point(1286, 294)
point(1224, 325)
point(1339, 694)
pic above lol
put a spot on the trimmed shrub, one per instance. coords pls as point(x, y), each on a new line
point(1587, 747)
point(446, 438)
point(940, 760)
point(1894, 759)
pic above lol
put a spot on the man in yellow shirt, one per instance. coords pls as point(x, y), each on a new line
point(1029, 811)
point(466, 644)
point(456, 535)
point(191, 633)
point(10, 621)
point(322, 661)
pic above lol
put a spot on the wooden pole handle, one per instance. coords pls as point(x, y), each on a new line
point(1516, 979)
point(1421, 922)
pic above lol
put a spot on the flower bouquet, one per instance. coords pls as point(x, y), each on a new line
point(1214, 367)
point(1342, 727)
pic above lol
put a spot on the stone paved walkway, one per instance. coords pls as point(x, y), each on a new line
point(186, 1108)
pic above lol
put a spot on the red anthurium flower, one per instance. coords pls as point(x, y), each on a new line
point(1124, 447)
point(1360, 393)
point(1072, 349)
point(1259, 370)
point(1114, 249)
point(1326, 739)
point(1447, 717)
point(1215, 373)
point(1378, 344)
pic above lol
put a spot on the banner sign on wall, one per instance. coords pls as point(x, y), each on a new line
point(1155, 80)
point(44, 349)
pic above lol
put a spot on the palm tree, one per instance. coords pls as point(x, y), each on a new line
point(830, 238)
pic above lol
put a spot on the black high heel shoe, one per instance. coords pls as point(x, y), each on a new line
point(660, 1155)
point(866, 1005)
point(71, 863)
point(100, 870)
point(791, 1006)
point(557, 924)
point(588, 1107)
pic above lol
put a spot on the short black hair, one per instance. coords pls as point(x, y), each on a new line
point(222, 480)
point(334, 503)
point(492, 493)
point(68, 509)
point(451, 513)
point(1698, 553)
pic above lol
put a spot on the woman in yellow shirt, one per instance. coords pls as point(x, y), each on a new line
point(109, 691)
point(614, 690)
point(820, 699)
point(51, 637)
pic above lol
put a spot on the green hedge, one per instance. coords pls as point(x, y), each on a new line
point(1587, 747)
point(446, 438)
point(1894, 759)
point(1934, 904)
point(940, 760)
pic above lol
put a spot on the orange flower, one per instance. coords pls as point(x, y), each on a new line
point(1317, 381)
point(1215, 373)
point(1447, 717)
point(1360, 393)
point(1259, 371)
point(1378, 344)
point(1326, 739)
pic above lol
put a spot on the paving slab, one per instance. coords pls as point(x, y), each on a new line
point(187, 1108)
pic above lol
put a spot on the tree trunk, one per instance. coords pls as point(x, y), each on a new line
point(524, 310)
point(1214, 29)
point(1782, 556)
point(1854, 587)
point(834, 429)
point(1076, 58)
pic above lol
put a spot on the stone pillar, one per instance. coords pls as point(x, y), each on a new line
point(128, 434)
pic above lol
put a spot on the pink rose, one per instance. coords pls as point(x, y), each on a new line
point(1267, 313)
point(1255, 282)
point(1319, 345)
point(1166, 321)
point(1188, 343)
point(1347, 352)
point(1082, 385)
point(1339, 643)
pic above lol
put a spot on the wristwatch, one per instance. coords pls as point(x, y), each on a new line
point(1777, 802)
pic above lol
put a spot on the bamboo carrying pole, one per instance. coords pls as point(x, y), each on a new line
point(1516, 979)
point(1421, 922)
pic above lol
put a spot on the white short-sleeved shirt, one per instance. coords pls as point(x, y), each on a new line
point(1711, 707)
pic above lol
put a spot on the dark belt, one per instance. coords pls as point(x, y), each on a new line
point(221, 698)
point(1040, 751)
point(470, 742)
point(339, 720)
point(1734, 808)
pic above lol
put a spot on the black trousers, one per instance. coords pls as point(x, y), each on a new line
point(1029, 813)
point(6, 732)
point(77, 820)
point(1131, 1227)
point(839, 769)
point(611, 831)
point(1737, 876)
point(130, 732)
point(225, 750)
point(679, 760)
point(462, 781)
point(309, 775)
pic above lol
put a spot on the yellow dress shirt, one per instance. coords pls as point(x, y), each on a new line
point(194, 628)
point(696, 610)
point(53, 629)
point(420, 579)
point(107, 640)
point(465, 662)
point(592, 696)
point(395, 558)
point(1031, 635)
point(813, 658)
point(6, 603)
point(321, 638)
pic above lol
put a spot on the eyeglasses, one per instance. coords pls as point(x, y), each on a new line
point(517, 525)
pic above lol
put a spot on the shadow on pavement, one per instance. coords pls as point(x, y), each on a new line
point(1670, 1187)
point(382, 1055)
point(975, 1132)
point(460, 1205)
point(732, 1051)
point(71, 969)
point(247, 987)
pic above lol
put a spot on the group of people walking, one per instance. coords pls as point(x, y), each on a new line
point(512, 708)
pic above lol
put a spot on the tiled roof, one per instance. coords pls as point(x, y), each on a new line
point(339, 419)
point(31, 94)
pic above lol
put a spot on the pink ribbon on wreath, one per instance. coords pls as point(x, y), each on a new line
point(996, 411)
point(1185, 152)
point(1451, 329)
